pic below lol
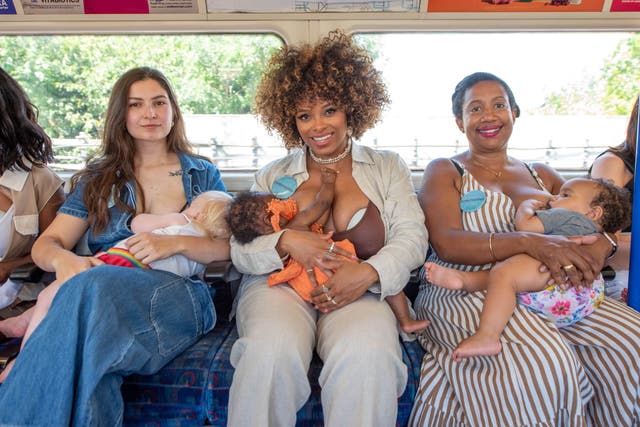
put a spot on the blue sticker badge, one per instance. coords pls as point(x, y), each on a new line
point(472, 201)
point(284, 187)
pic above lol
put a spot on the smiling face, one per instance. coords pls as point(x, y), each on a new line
point(323, 127)
point(487, 116)
point(576, 195)
point(149, 112)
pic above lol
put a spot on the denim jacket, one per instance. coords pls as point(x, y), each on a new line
point(198, 176)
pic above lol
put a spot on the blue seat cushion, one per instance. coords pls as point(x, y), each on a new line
point(193, 390)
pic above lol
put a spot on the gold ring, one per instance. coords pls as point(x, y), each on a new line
point(567, 267)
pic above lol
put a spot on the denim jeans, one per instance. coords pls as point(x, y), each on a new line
point(105, 323)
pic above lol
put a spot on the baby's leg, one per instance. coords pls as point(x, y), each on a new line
point(457, 280)
point(16, 326)
point(506, 279)
point(38, 313)
point(400, 308)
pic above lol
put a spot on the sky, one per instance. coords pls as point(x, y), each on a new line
point(422, 70)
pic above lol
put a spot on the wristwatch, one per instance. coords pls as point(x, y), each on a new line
point(613, 244)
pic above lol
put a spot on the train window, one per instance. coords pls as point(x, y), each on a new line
point(575, 90)
point(68, 77)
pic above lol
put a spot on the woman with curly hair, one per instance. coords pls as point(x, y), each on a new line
point(319, 98)
point(30, 192)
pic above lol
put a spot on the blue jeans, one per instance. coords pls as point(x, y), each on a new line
point(105, 323)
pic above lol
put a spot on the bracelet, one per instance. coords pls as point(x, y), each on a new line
point(613, 244)
point(493, 255)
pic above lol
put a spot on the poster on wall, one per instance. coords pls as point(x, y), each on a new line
point(7, 7)
point(38, 7)
point(515, 6)
point(116, 6)
point(268, 6)
point(625, 6)
point(173, 6)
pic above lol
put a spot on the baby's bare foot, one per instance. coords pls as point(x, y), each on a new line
point(444, 277)
point(477, 345)
point(412, 325)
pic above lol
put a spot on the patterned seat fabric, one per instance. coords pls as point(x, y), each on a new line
point(194, 388)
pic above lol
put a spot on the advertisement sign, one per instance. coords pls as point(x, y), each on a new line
point(515, 6)
point(268, 6)
point(7, 7)
point(39, 7)
point(625, 6)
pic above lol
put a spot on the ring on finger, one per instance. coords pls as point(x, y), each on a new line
point(325, 289)
point(331, 247)
point(567, 267)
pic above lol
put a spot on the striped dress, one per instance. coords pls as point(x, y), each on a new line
point(583, 375)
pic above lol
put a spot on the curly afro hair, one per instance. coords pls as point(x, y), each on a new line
point(615, 202)
point(335, 70)
point(244, 216)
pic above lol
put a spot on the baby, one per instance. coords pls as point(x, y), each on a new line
point(204, 217)
point(583, 206)
point(254, 214)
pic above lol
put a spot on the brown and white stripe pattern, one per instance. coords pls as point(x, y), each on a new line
point(584, 375)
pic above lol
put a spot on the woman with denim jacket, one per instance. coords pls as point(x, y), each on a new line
point(110, 321)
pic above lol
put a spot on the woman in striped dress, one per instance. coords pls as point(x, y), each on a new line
point(585, 374)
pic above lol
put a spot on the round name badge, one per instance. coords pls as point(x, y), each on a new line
point(472, 201)
point(284, 187)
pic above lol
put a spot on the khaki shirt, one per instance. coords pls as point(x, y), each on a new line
point(386, 180)
point(30, 191)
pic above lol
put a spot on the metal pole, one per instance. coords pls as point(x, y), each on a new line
point(634, 258)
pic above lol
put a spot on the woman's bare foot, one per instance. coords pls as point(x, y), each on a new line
point(477, 345)
point(412, 325)
point(14, 326)
point(444, 277)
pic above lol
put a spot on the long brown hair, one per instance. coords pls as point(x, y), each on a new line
point(112, 167)
point(21, 137)
point(627, 148)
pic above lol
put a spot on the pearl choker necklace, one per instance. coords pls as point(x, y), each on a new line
point(331, 160)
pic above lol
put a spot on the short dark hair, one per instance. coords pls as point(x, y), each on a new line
point(458, 94)
point(244, 216)
point(615, 202)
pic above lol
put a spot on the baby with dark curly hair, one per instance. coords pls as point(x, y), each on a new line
point(583, 206)
point(253, 214)
point(321, 98)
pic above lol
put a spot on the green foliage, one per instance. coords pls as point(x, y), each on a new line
point(612, 92)
point(69, 77)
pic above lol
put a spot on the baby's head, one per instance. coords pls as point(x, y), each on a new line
point(251, 214)
point(208, 211)
point(599, 199)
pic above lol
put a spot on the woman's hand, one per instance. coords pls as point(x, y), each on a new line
point(347, 282)
point(309, 248)
point(150, 247)
point(69, 264)
point(570, 260)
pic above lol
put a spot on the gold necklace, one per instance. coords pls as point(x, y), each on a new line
point(497, 174)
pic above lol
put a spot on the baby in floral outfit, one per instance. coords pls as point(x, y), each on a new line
point(583, 206)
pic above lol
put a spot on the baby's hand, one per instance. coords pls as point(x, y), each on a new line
point(535, 205)
point(328, 175)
